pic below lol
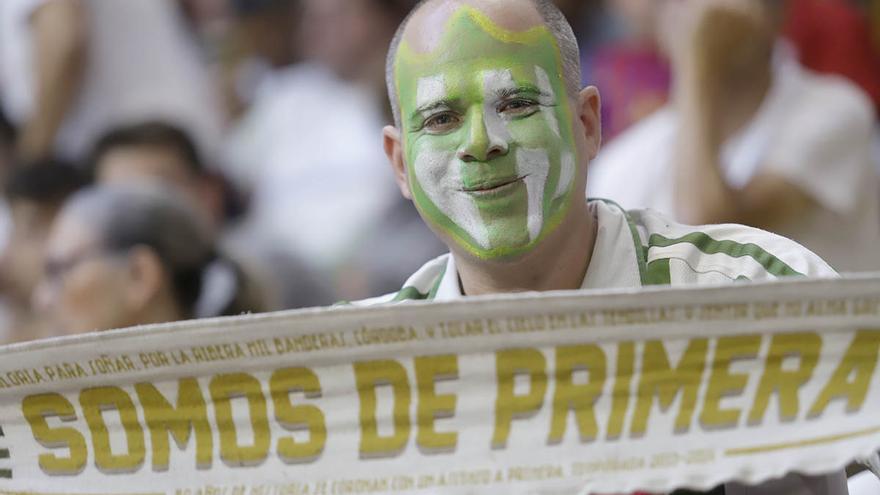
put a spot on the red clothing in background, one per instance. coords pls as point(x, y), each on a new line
point(833, 37)
point(635, 83)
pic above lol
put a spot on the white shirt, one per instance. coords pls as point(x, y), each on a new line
point(140, 66)
point(814, 131)
point(310, 152)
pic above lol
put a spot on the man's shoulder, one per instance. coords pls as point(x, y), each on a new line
point(420, 286)
point(681, 254)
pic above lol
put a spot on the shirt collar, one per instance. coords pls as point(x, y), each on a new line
point(618, 257)
point(450, 287)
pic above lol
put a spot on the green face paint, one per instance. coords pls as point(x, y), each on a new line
point(487, 134)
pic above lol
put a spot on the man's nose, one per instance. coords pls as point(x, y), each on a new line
point(483, 142)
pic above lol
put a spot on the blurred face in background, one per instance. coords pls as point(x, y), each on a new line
point(268, 29)
point(83, 287)
point(131, 165)
point(139, 163)
point(21, 261)
point(348, 37)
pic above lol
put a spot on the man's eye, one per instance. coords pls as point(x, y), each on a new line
point(518, 107)
point(441, 122)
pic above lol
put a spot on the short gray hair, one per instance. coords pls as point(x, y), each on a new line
point(126, 216)
point(553, 19)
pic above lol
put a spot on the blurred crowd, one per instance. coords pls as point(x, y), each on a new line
point(171, 159)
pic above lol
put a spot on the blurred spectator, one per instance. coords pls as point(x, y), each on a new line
point(34, 195)
point(7, 143)
point(125, 256)
point(632, 73)
point(351, 37)
point(751, 137)
point(73, 68)
point(309, 149)
point(833, 37)
point(874, 13)
point(592, 23)
point(161, 153)
point(261, 42)
point(399, 241)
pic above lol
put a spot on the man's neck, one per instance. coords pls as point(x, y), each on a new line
point(558, 263)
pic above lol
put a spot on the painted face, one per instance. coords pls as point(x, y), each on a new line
point(487, 134)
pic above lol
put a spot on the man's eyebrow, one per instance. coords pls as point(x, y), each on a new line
point(521, 90)
point(434, 105)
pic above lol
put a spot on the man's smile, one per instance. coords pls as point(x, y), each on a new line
point(493, 186)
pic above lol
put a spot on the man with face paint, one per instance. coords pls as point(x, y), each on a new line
point(492, 139)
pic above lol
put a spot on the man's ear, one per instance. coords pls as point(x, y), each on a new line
point(145, 277)
point(394, 151)
point(589, 109)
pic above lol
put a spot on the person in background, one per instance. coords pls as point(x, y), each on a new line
point(34, 195)
point(7, 144)
point(874, 19)
point(259, 43)
point(751, 137)
point(74, 68)
point(311, 141)
point(833, 37)
point(121, 256)
point(595, 24)
point(158, 152)
point(630, 67)
point(830, 37)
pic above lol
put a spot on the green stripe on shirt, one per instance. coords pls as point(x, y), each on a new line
point(641, 251)
point(409, 294)
point(708, 245)
point(658, 273)
point(436, 288)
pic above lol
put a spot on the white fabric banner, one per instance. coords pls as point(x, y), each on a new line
point(564, 393)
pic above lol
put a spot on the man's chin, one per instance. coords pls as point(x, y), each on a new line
point(503, 254)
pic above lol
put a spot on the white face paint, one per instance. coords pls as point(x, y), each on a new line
point(495, 81)
point(566, 172)
point(430, 89)
point(547, 88)
point(534, 165)
point(439, 174)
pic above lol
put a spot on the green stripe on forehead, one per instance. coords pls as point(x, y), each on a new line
point(470, 40)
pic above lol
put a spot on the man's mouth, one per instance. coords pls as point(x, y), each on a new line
point(493, 186)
